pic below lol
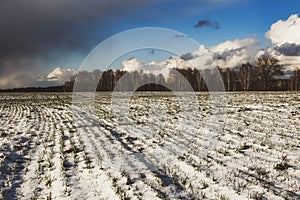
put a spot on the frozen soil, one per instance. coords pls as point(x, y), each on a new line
point(155, 146)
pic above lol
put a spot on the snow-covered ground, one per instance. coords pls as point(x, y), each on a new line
point(158, 146)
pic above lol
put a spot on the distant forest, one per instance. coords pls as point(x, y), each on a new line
point(266, 75)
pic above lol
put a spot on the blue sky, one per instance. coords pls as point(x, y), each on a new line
point(37, 37)
point(237, 18)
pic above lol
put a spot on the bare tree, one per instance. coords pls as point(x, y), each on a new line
point(267, 68)
point(245, 76)
point(294, 80)
point(228, 76)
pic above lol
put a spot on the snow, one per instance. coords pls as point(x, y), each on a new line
point(156, 146)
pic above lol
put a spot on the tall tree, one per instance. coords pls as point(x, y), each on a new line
point(297, 77)
point(267, 67)
point(160, 81)
point(245, 76)
point(294, 80)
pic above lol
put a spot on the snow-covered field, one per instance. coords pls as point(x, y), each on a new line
point(162, 148)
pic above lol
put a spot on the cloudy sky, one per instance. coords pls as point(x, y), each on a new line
point(43, 42)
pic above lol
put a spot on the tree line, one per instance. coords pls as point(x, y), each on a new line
point(266, 75)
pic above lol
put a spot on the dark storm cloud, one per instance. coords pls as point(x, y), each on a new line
point(208, 23)
point(35, 26)
point(228, 54)
point(32, 26)
point(289, 49)
point(38, 35)
point(187, 56)
point(32, 31)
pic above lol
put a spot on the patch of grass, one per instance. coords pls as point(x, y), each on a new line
point(283, 165)
point(204, 185)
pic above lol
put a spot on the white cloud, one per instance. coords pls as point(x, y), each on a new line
point(234, 45)
point(285, 38)
point(283, 32)
point(203, 58)
point(60, 75)
point(132, 65)
point(228, 54)
point(151, 67)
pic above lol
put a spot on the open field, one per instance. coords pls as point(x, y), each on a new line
point(153, 151)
